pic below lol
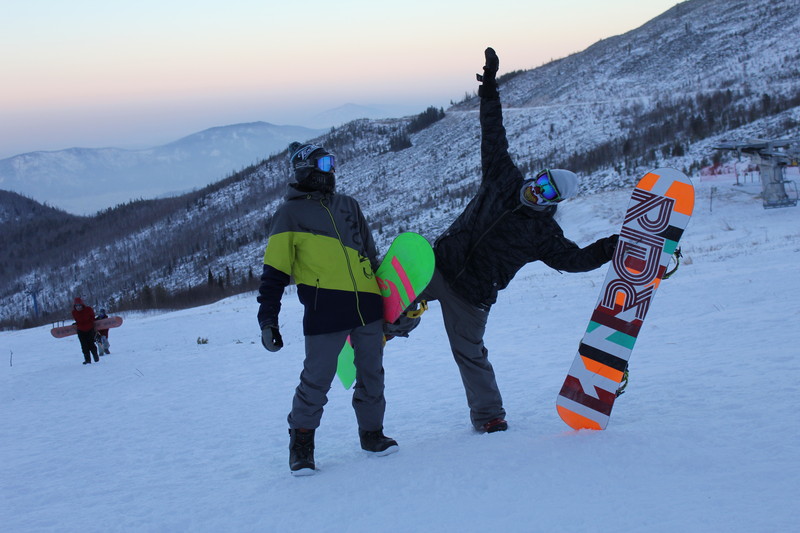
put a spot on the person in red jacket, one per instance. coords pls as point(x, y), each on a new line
point(84, 321)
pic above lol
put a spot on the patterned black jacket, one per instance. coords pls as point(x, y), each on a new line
point(496, 235)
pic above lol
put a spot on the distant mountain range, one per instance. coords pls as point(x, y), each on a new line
point(86, 180)
point(348, 112)
point(663, 94)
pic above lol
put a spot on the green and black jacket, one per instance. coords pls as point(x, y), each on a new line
point(322, 241)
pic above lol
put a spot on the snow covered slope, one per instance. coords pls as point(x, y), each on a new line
point(166, 434)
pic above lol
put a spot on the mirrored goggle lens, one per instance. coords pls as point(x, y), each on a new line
point(326, 163)
point(546, 186)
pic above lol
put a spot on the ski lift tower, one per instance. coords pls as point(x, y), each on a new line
point(772, 158)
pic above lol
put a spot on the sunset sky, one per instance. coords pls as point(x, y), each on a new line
point(94, 73)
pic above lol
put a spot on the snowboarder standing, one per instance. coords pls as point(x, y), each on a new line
point(322, 241)
point(84, 322)
point(507, 224)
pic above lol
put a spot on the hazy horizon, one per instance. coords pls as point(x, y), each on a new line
point(94, 74)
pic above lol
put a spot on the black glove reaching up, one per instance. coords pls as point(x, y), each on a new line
point(271, 338)
point(489, 78)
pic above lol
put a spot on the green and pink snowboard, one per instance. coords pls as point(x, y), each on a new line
point(402, 276)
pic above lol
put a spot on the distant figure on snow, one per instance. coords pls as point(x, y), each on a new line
point(507, 224)
point(84, 321)
point(103, 346)
point(322, 241)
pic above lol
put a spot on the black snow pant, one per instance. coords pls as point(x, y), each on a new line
point(465, 325)
point(319, 370)
point(88, 346)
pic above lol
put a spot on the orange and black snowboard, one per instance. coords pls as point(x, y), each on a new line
point(658, 213)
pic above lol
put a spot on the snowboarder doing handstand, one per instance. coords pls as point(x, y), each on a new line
point(322, 240)
point(507, 224)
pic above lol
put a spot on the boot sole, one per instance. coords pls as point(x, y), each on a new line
point(303, 472)
point(388, 451)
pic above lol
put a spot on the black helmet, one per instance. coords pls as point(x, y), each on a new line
point(313, 166)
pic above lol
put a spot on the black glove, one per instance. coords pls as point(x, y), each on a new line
point(401, 327)
point(271, 338)
point(489, 77)
point(609, 246)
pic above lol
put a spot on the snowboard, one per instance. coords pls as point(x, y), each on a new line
point(403, 274)
point(105, 323)
point(657, 215)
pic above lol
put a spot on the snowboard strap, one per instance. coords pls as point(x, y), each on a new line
point(416, 313)
point(406, 322)
point(623, 383)
point(677, 257)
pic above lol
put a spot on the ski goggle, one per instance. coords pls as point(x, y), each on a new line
point(547, 186)
point(326, 163)
point(542, 186)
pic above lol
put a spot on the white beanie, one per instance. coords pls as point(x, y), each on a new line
point(566, 182)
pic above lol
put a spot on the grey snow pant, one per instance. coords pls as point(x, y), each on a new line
point(465, 325)
point(319, 370)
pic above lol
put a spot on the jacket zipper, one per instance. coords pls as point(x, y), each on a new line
point(349, 266)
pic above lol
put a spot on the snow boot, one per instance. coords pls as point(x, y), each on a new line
point(498, 424)
point(377, 443)
point(301, 452)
